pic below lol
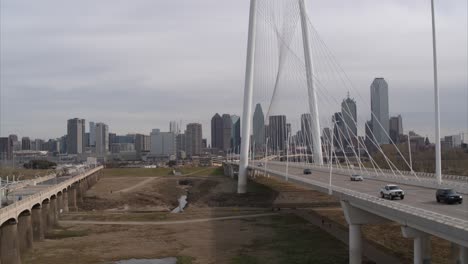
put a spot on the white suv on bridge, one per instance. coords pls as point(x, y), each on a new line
point(391, 191)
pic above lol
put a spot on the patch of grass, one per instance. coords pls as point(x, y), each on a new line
point(298, 242)
point(63, 233)
point(184, 260)
point(216, 171)
point(244, 259)
point(294, 241)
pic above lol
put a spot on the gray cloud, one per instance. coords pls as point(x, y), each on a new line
point(138, 64)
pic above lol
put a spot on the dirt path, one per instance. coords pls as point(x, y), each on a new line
point(175, 222)
point(136, 185)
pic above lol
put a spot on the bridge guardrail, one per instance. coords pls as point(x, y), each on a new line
point(19, 206)
point(32, 182)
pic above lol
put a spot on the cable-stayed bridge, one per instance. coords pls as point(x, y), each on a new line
point(295, 78)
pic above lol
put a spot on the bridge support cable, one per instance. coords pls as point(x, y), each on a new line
point(327, 59)
point(277, 76)
point(305, 139)
point(330, 161)
point(346, 81)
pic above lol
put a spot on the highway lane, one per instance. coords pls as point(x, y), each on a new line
point(420, 197)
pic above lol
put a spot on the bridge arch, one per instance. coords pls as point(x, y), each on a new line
point(24, 212)
point(10, 221)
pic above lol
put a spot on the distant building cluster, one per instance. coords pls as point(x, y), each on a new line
point(225, 133)
point(271, 134)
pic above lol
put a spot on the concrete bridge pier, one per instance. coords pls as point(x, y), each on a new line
point(86, 185)
point(53, 211)
point(65, 202)
point(80, 192)
point(45, 216)
point(9, 243)
point(25, 232)
point(59, 203)
point(72, 198)
point(459, 254)
point(421, 244)
point(355, 218)
point(37, 223)
point(463, 255)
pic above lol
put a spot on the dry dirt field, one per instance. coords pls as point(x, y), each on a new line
point(131, 219)
point(127, 216)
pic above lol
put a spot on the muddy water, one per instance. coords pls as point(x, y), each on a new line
point(148, 261)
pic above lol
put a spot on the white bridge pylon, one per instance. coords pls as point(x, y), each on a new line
point(248, 94)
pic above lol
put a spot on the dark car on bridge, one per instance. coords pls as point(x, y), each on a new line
point(448, 196)
point(307, 171)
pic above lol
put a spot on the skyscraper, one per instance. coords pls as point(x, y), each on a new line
point(396, 128)
point(277, 129)
point(38, 143)
point(92, 134)
point(75, 136)
point(235, 135)
point(194, 139)
point(306, 132)
point(174, 127)
point(15, 144)
point(227, 131)
point(349, 114)
point(181, 143)
point(112, 139)
point(102, 139)
point(369, 137)
point(163, 144)
point(217, 131)
point(258, 127)
point(379, 108)
point(142, 144)
point(338, 130)
point(6, 151)
point(25, 143)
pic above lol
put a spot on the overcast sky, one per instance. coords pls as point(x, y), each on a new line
point(137, 64)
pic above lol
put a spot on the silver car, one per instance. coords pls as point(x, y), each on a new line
point(356, 177)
